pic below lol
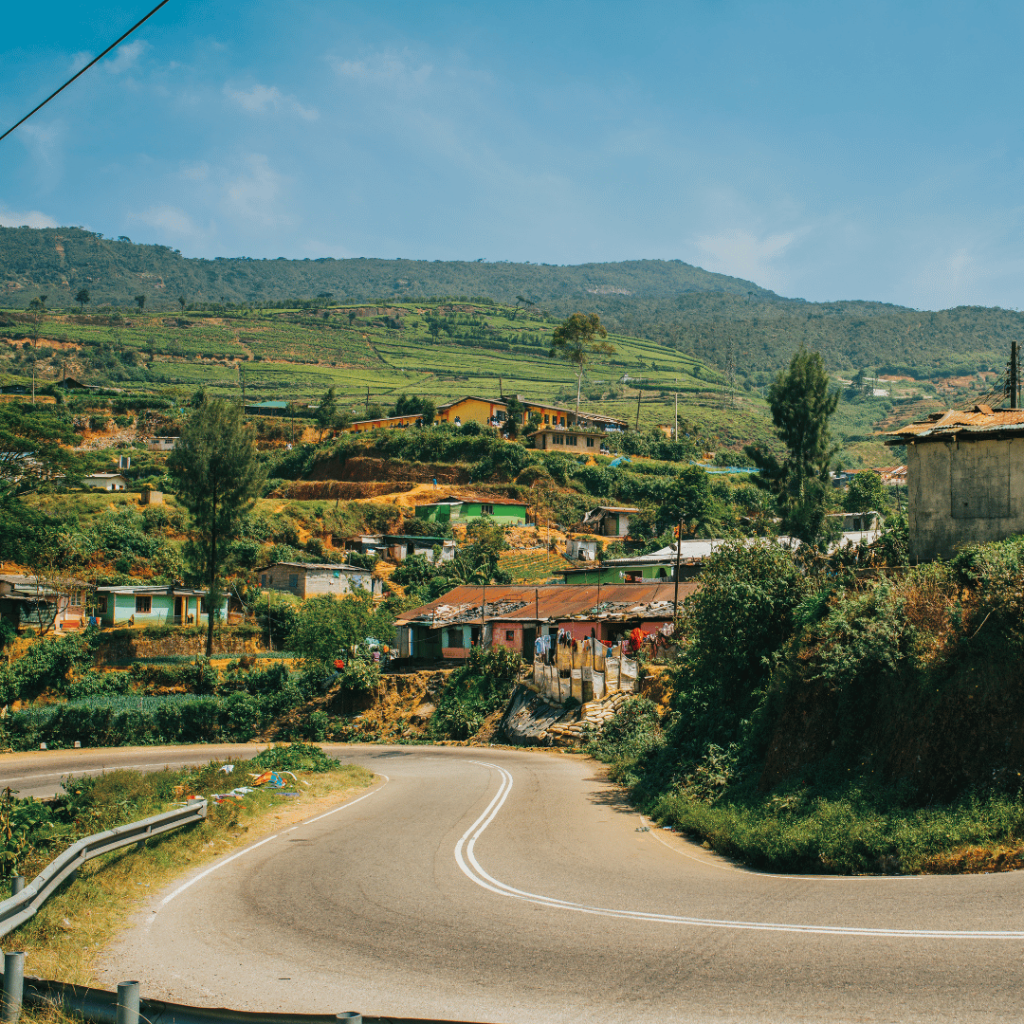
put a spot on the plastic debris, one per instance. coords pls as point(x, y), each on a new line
point(272, 777)
point(227, 769)
point(242, 790)
point(644, 828)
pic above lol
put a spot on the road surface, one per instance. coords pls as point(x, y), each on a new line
point(513, 886)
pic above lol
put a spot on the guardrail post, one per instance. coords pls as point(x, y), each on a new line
point(14, 986)
point(17, 884)
point(127, 1002)
point(351, 1016)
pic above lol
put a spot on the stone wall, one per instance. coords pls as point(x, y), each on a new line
point(124, 649)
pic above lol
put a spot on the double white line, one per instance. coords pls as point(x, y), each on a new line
point(465, 857)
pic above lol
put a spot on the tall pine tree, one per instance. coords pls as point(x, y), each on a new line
point(802, 404)
point(217, 475)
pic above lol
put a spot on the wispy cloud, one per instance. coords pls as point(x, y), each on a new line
point(195, 172)
point(79, 60)
point(741, 253)
point(169, 219)
point(256, 194)
point(125, 57)
point(31, 219)
point(388, 68)
point(261, 98)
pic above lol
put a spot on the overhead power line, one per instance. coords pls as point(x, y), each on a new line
point(83, 71)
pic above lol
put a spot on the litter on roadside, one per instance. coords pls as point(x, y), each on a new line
point(272, 777)
point(227, 769)
point(644, 828)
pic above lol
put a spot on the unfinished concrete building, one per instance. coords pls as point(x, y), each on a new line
point(965, 479)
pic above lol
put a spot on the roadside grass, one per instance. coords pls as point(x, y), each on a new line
point(65, 939)
point(850, 832)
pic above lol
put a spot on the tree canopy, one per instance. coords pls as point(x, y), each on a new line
point(802, 403)
point(575, 341)
point(216, 474)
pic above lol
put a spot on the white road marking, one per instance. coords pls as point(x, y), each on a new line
point(255, 846)
point(209, 871)
point(466, 859)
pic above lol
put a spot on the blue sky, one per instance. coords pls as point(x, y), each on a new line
point(826, 151)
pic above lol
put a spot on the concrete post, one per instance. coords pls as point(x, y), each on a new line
point(17, 884)
point(14, 986)
point(127, 1002)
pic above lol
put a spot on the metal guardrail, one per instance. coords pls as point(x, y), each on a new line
point(102, 1007)
point(125, 1005)
point(23, 905)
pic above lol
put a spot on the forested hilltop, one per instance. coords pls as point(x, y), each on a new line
point(719, 319)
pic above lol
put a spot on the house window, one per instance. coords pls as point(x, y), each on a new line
point(143, 605)
point(293, 581)
point(510, 634)
point(572, 441)
point(263, 580)
point(562, 421)
point(547, 419)
point(455, 638)
point(487, 510)
point(101, 604)
point(590, 442)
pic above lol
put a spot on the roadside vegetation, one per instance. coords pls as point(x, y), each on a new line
point(64, 938)
point(829, 720)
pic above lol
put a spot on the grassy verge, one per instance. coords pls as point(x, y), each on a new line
point(819, 824)
point(848, 833)
point(65, 938)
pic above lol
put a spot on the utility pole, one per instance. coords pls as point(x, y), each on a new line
point(638, 394)
point(679, 551)
point(1014, 376)
point(367, 400)
point(675, 418)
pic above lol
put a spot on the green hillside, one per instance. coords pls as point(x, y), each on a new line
point(720, 320)
point(371, 355)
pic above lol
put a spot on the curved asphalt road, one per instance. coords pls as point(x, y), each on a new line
point(508, 886)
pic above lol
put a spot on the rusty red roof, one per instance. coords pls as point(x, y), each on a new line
point(552, 603)
point(978, 423)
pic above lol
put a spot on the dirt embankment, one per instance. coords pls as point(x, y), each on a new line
point(366, 468)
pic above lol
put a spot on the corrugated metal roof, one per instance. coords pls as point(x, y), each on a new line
point(976, 423)
point(317, 565)
point(552, 603)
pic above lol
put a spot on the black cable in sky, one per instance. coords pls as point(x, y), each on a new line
point(83, 71)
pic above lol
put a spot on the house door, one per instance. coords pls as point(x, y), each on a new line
point(529, 639)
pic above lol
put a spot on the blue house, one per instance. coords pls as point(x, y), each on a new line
point(151, 606)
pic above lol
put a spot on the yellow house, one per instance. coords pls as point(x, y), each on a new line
point(387, 422)
point(494, 411)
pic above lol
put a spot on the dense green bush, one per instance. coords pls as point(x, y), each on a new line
point(481, 687)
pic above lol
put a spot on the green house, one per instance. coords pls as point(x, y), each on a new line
point(152, 606)
point(620, 571)
point(455, 509)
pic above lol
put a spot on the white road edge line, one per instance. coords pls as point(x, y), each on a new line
point(464, 852)
point(255, 846)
